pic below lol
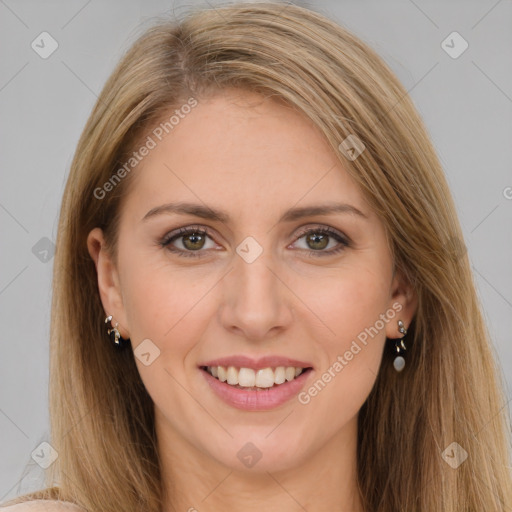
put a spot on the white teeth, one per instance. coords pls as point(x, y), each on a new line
point(280, 375)
point(232, 375)
point(265, 378)
point(249, 378)
point(221, 372)
point(290, 373)
point(246, 377)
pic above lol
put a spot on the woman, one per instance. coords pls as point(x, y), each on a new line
point(259, 293)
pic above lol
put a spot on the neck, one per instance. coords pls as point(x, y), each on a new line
point(195, 482)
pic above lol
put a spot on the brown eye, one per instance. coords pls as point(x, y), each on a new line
point(193, 241)
point(317, 240)
point(186, 241)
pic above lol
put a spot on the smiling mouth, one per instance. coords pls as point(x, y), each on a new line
point(256, 380)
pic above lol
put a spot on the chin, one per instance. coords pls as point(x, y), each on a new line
point(259, 452)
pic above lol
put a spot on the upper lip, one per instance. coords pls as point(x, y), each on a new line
point(240, 361)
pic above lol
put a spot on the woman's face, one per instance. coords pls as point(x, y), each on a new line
point(267, 282)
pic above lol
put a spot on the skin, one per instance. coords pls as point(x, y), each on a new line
point(254, 158)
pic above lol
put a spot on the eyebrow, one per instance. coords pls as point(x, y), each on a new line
point(213, 214)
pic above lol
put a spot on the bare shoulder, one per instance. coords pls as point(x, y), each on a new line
point(43, 506)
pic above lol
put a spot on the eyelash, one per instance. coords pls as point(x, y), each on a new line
point(171, 237)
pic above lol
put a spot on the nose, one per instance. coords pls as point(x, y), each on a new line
point(256, 301)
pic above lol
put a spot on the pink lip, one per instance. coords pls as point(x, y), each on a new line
point(256, 364)
point(254, 400)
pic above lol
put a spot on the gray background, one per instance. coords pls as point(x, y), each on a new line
point(466, 103)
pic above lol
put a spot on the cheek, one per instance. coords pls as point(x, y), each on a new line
point(163, 303)
point(351, 303)
point(165, 307)
point(348, 300)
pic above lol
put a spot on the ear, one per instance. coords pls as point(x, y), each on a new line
point(404, 301)
point(108, 281)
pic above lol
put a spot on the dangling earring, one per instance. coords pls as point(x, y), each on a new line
point(399, 362)
point(115, 336)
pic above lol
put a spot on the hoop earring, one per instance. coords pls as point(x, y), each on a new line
point(115, 336)
point(399, 348)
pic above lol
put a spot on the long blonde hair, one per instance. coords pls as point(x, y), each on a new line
point(102, 420)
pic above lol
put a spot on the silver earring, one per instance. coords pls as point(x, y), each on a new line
point(399, 362)
point(115, 335)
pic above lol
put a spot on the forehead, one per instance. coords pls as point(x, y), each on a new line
point(238, 150)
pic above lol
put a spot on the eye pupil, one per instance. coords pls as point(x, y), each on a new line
point(318, 238)
point(193, 236)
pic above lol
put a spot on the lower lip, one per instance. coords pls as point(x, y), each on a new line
point(254, 400)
